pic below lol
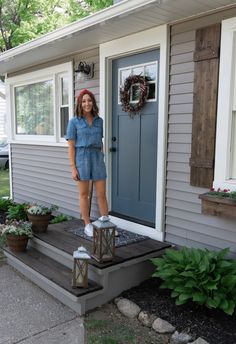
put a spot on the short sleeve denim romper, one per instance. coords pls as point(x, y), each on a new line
point(89, 157)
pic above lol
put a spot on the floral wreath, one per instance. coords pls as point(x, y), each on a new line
point(132, 109)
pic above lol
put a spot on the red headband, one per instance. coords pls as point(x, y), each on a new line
point(83, 92)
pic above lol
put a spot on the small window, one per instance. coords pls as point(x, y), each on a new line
point(149, 70)
point(64, 103)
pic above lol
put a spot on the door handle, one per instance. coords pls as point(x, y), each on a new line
point(112, 149)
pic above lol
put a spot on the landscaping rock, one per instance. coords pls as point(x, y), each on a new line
point(180, 338)
point(200, 341)
point(128, 308)
point(146, 319)
point(162, 326)
point(117, 299)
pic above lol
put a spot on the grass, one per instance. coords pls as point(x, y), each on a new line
point(4, 183)
point(103, 332)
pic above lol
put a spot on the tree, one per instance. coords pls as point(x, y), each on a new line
point(23, 20)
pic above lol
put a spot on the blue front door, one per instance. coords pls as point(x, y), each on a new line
point(134, 142)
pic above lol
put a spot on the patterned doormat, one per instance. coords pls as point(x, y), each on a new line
point(123, 238)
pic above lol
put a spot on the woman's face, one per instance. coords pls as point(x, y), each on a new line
point(87, 104)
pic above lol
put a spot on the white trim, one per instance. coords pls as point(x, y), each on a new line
point(225, 106)
point(50, 73)
point(139, 42)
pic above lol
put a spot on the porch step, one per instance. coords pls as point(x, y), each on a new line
point(53, 277)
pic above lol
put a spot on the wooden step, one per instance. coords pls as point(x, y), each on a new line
point(53, 277)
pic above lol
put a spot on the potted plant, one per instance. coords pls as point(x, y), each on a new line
point(40, 215)
point(5, 203)
point(17, 234)
point(219, 202)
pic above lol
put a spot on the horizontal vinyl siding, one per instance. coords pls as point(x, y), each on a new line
point(185, 225)
point(42, 173)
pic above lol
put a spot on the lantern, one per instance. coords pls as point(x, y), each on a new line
point(103, 241)
point(80, 268)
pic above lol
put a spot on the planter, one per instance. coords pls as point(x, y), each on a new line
point(216, 206)
point(39, 222)
point(17, 243)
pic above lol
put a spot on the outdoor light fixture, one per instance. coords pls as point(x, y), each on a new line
point(80, 268)
point(103, 241)
point(85, 69)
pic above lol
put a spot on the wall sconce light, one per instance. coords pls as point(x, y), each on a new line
point(85, 69)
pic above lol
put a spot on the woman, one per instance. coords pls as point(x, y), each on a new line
point(84, 135)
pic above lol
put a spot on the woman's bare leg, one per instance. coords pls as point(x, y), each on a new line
point(100, 186)
point(84, 200)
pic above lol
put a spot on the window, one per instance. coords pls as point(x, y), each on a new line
point(149, 70)
point(225, 158)
point(42, 104)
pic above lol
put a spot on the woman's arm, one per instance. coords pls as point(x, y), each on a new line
point(71, 153)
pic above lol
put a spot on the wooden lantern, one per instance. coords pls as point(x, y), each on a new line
point(80, 268)
point(103, 241)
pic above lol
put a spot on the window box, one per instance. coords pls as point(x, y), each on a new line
point(218, 206)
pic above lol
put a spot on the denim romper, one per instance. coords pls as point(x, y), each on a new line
point(89, 158)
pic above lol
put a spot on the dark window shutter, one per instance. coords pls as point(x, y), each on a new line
point(206, 70)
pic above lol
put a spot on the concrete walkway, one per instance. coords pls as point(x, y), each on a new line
point(28, 315)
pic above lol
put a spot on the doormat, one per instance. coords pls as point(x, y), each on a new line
point(123, 238)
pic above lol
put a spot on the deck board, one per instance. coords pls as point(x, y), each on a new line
point(59, 237)
point(51, 269)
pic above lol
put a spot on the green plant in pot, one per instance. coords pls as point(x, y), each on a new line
point(40, 215)
point(16, 234)
point(5, 203)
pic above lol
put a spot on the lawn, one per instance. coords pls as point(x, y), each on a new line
point(4, 183)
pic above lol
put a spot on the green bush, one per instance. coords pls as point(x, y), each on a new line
point(60, 218)
point(203, 276)
point(17, 212)
point(5, 203)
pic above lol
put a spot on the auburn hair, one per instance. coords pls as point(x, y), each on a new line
point(78, 107)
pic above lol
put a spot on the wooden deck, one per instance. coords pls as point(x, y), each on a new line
point(59, 237)
point(48, 262)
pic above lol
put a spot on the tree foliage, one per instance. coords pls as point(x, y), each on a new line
point(23, 20)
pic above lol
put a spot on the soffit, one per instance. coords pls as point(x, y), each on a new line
point(114, 22)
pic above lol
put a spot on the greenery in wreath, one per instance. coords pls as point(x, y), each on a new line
point(132, 109)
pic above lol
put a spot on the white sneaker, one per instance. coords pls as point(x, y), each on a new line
point(88, 230)
point(104, 218)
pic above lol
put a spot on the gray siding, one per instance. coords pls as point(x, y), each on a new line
point(41, 173)
point(185, 225)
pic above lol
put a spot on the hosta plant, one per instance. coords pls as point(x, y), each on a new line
point(203, 276)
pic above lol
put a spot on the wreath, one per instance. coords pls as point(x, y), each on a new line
point(132, 109)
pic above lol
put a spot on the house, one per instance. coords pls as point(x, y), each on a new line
point(2, 112)
point(181, 143)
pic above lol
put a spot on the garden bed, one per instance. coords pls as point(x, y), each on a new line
point(213, 325)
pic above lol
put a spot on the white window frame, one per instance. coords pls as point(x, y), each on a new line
point(53, 73)
point(225, 106)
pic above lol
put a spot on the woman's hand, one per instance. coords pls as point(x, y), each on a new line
point(75, 174)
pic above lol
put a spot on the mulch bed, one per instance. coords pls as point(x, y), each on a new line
point(214, 326)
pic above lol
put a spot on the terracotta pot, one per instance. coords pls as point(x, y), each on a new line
point(39, 222)
point(17, 243)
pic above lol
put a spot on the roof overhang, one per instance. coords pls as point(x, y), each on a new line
point(122, 19)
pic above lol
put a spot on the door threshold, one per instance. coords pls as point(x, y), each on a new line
point(132, 219)
point(137, 228)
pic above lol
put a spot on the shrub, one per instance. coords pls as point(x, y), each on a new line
point(5, 203)
point(60, 218)
point(202, 276)
point(17, 212)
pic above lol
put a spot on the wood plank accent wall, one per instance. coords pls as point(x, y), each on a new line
point(185, 225)
point(41, 173)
